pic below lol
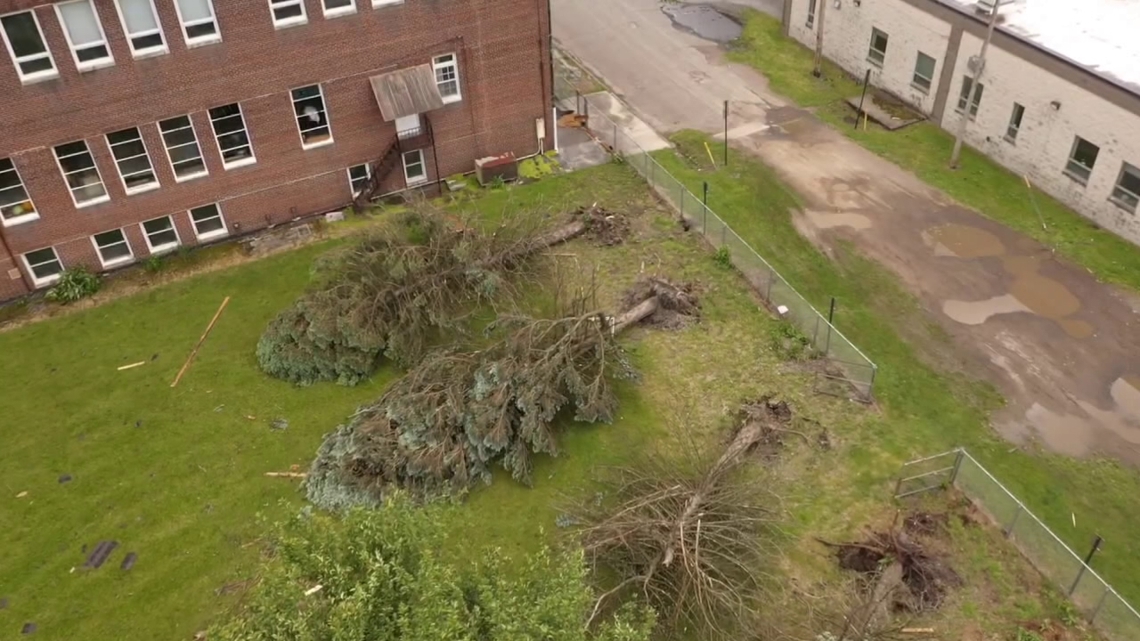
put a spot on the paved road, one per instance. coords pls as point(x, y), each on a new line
point(1064, 349)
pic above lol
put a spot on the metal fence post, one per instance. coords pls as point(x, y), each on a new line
point(615, 138)
point(815, 334)
point(1013, 522)
point(681, 199)
point(1099, 604)
point(957, 466)
point(768, 293)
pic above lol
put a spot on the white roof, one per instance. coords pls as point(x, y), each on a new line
point(1100, 35)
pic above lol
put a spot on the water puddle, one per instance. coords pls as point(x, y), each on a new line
point(964, 241)
point(824, 220)
point(1075, 435)
point(703, 21)
point(980, 311)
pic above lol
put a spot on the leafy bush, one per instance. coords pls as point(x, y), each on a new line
point(723, 258)
point(74, 284)
point(378, 575)
point(790, 343)
point(154, 264)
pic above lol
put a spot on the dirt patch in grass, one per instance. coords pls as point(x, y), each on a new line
point(773, 416)
point(677, 307)
point(604, 227)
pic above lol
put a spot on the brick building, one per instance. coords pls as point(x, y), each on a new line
point(1060, 99)
point(132, 127)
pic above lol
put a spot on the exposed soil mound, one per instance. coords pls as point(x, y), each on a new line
point(925, 579)
point(773, 416)
point(926, 524)
point(677, 305)
point(604, 227)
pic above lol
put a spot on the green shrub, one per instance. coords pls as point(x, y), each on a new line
point(790, 343)
point(154, 264)
point(74, 284)
point(723, 258)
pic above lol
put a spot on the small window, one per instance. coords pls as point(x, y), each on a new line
point(811, 14)
point(1126, 193)
point(141, 25)
point(287, 13)
point(312, 119)
point(199, 25)
point(113, 248)
point(82, 175)
point(208, 222)
point(160, 234)
point(84, 34)
point(877, 54)
point(335, 8)
point(232, 137)
point(1082, 159)
point(1014, 122)
point(965, 96)
point(182, 148)
point(384, 3)
point(414, 169)
point(26, 45)
point(132, 160)
point(44, 266)
point(358, 177)
point(923, 72)
point(15, 205)
point(447, 77)
point(408, 126)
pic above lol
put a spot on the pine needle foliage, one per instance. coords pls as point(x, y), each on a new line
point(443, 426)
point(395, 291)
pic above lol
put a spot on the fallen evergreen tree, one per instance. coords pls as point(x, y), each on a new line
point(394, 291)
point(443, 426)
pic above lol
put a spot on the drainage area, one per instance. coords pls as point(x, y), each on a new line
point(703, 21)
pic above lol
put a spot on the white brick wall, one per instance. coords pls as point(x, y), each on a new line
point(1046, 137)
point(847, 39)
point(1047, 134)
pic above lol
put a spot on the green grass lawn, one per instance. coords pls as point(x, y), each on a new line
point(925, 149)
point(923, 410)
point(177, 475)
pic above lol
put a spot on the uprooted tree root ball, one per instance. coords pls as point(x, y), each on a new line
point(604, 227)
point(396, 290)
point(677, 304)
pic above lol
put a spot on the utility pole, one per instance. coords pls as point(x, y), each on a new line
point(821, 5)
point(975, 86)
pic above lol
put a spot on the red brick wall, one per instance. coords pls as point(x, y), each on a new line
point(502, 46)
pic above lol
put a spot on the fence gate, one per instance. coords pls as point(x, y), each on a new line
point(930, 473)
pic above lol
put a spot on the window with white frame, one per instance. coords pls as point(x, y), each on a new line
point(141, 26)
point(208, 222)
point(1082, 159)
point(1015, 117)
point(132, 160)
point(15, 205)
point(811, 14)
point(233, 139)
point(1126, 193)
point(113, 248)
point(26, 44)
point(312, 118)
point(82, 175)
point(384, 3)
point(287, 13)
point(358, 177)
point(199, 24)
point(84, 34)
point(44, 266)
point(182, 148)
point(333, 8)
point(967, 95)
point(414, 169)
point(160, 234)
point(877, 53)
point(447, 77)
point(923, 72)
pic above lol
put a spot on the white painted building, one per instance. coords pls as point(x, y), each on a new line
point(1060, 98)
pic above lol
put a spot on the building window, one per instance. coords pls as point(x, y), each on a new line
point(923, 72)
point(132, 160)
point(1014, 122)
point(287, 13)
point(182, 148)
point(112, 247)
point(358, 177)
point(208, 222)
point(1082, 159)
point(232, 137)
point(82, 176)
point(312, 119)
point(335, 8)
point(811, 14)
point(966, 96)
point(15, 205)
point(877, 54)
point(44, 266)
point(26, 45)
point(140, 23)
point(414, 169)
point(160, 234)
point(84, 35)
point(447, 77)
point(384, 3)
point(408, 126)
point(199, 26)
point(1126, 193)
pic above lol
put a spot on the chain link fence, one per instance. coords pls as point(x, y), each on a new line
point(845, 362)
point(1096, 599)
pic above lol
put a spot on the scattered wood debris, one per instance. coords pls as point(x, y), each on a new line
point(201, 340)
